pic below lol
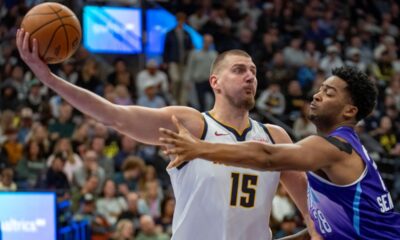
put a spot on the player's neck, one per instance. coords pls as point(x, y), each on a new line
point(325, 130)
point(236, 118)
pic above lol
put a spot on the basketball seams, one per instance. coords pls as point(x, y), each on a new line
point(51, 40)
point(47, 23)
point(65, 30)
point(38, 14)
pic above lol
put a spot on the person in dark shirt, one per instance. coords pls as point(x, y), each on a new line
point(55, 177)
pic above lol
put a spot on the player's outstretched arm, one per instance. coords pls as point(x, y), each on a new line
point(309, 154)
point(137, 122)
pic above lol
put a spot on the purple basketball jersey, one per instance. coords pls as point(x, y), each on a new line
point(361, 210)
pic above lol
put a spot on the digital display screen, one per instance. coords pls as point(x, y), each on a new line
point(28, 216)
point(112, 29)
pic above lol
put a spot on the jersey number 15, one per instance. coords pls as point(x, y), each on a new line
point(246, 184)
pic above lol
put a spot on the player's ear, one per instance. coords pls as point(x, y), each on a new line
point(350, 111)
point(214, 83)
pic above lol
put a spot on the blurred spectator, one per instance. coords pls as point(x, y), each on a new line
point(288, 227)
point(88, 77)
point(121, 76)
point(279, 72)
point(35, 97)
point(307, 73)
point(331, 60)
point(295, 100)
point(365, 51)
point(311, 51)
point(133, 169)
point(176, 48)
point(55, 178)
point(39, 134)
point(7, 121)
point(90, 186)
point(6, 181)
point(167, 214)
point(25, 124)
point(150, 175)
point(266, 50)
point(63, 126)
point(90, 167)
point(287, 20)
point(16, 79)
point(153, 74)
point(267, 18)
point(80, 138)
point(198, 19)
point(198, 69)
point(150, 98)
point(293, 54)
point(382, 69)
point(389, 140)
point(98, 145)
point(282, 206)
point(394, 90)
point(12, 148)
point(271, 101)
point(124, 231)
point(319, 78)
point(87, 212)
point(302, 126)
point(129, 147)
point(315, 32)
point(109, 204)
point(354, 59)
point(148, 230)
point(32, 166)
point(132, 214)
point(68, 71)
point(8, 96)
point(72, 161)
point(245, 42)
point(122, 96)
point(150, 204)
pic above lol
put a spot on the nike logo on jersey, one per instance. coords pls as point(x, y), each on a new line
point(220, 134)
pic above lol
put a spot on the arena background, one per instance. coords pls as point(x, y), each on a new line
point(294, 44)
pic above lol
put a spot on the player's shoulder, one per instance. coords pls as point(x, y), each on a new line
point(278, 133)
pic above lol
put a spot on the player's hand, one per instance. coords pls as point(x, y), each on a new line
point(181, 145)
point(30, 57)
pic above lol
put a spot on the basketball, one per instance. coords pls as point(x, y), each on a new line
point(56, 29)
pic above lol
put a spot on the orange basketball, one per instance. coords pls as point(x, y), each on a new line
point(57, 30)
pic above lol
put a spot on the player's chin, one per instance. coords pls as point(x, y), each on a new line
point(312, 116)
point(249, 103)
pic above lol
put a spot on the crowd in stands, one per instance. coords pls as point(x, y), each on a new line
point(120, 185)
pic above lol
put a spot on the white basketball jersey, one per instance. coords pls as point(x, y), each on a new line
point(219, 202)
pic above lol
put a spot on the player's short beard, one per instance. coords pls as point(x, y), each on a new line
point(247, 103)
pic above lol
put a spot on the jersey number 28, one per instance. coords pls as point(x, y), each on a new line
point(246, 184)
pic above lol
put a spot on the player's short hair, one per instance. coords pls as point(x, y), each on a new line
point(362, 90)
point(215, 67)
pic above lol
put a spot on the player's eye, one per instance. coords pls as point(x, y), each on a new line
point(238, 70)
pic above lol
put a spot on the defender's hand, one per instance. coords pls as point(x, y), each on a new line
point(183, 145)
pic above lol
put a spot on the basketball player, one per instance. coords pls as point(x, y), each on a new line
point(213, 201)
point(347, 198)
